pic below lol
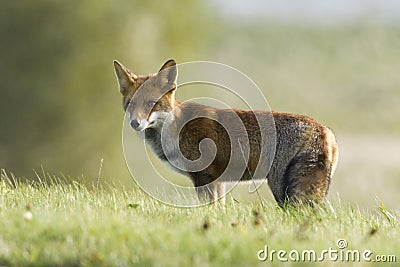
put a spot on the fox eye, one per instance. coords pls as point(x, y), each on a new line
point(151, 103)
point(129, 105)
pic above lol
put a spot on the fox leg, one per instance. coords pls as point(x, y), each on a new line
point(205, 193)
point(204, 186)
point(221, 192)
point(307, 178)
point(213, 192)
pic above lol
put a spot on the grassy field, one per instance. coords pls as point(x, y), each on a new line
point(62, 110)
point(60, 224)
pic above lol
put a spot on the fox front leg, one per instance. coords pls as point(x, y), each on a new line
point(212, 193)
point(221, 193)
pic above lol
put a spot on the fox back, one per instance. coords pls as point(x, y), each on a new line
point(206, 144)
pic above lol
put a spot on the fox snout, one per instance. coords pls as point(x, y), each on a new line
point(135, 124)
point(139, 125)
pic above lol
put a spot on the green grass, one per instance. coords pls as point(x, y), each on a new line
point(61, 224)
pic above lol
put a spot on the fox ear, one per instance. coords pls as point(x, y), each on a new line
point(124, 77)
point(168, 73)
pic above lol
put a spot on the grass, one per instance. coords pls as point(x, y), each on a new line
point(69, 224)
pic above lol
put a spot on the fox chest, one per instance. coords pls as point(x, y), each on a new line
point(153, 139)
point(172, 147)
point(165, 148)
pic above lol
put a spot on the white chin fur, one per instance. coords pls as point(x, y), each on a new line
point(143, 126)
point(157, 116)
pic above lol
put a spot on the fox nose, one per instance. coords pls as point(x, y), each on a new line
point(135, 124)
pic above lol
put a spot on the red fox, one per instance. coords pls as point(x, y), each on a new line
point(306, 153)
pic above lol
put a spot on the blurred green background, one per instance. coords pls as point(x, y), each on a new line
point(61, 109)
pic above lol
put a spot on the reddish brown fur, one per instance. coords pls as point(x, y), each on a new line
point(306, 151)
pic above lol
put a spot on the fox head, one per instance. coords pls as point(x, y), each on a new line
point(148, 99)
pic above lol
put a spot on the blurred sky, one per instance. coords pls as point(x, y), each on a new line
point(315, 12)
